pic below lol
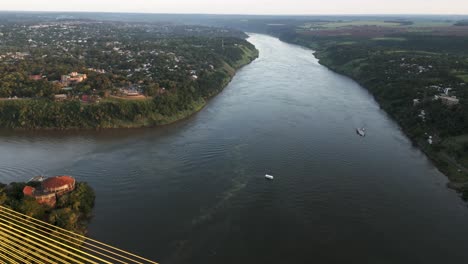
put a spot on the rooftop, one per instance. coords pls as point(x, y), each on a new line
point(57, 181)
point(28, 191)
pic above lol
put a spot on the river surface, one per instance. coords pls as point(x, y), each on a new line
point(195, 192)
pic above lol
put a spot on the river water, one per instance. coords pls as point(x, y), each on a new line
point(195, 192)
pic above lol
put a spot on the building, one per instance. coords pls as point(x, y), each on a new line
point(60, 97)
point(50, 189)
point(449, 100)
point(58, 184)
point(447, 91)
point(73, 77)
point(36, 77)
point(131, 91)
point(49, 199)
point(28, 191)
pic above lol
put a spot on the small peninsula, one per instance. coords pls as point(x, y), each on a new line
point(59, 200)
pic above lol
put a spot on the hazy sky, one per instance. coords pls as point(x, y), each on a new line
point(246, 6)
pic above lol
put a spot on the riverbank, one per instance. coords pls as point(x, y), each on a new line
point(445, 147)
point(198, 186)
point(174, 105)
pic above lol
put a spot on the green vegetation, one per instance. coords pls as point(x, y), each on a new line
point(360, 23)
point(389, 39)
point(173, 69)
point(421, 23)
point(406, 68)
point(72, 211)
point(462, 23)
point(463, 77)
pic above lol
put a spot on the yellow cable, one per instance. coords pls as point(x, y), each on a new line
point(19, 242)
point(66, 231)
point(87, 238)
point(3, 256)
point(19, 253)
point(40, 245)
point(74, 243)
point(59, 243)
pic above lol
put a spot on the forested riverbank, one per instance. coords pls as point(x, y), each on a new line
point(417, 78)
point(120, 113)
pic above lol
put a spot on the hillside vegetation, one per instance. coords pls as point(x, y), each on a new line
point(417, 74)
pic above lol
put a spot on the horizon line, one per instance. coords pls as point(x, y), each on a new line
point(239, 14)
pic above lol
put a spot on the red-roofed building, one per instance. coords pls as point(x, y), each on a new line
point(41, 197)
point(58, 184)
point(28, 191)
point(36, 77)
point(50, 189)
point(46, 198)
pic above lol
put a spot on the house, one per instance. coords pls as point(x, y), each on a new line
point(131, 91)
point(60, 97)
point(49, 199)
point(422, 115)
point(449, 100)
point(58, 184)
point(429, 140)
point(416, 102)
point(97, 70)
point(447, 90)
point(50, 189)
point(68, 88)
point(73, 77)
point(35, 77)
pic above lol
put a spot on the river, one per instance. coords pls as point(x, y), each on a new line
point(195, 192)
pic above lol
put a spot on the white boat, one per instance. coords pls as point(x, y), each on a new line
point(269, 177)
point(361, 132)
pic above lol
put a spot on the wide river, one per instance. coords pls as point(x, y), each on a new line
point(195, 192)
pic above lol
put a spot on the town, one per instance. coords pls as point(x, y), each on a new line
point(166, 70)
point(89, 60)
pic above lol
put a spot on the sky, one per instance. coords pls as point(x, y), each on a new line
point(299, 7)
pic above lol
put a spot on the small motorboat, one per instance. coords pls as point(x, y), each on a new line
point(269, 177)
point(361, 132)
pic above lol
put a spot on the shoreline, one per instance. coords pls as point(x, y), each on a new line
point(434, 158)
point(146, 122)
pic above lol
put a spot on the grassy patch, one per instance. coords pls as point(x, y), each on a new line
point(428, 23)
point(389, 39)
point(456, 146)
point(360, 23)
point(464, 77)
point(412, 52)
point(339, 24)
point(346, 43)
